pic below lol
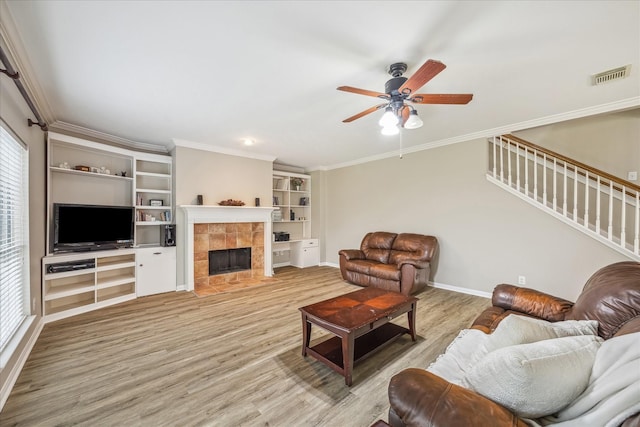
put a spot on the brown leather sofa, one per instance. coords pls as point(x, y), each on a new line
point(611, 296)
point(395, 262)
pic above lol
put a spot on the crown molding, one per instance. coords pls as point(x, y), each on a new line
point(75, 130)
point(16, 53)
point(621, 105)
point(222, 150)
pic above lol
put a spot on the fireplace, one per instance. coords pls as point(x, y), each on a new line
point(224, 261)
point(208, 228)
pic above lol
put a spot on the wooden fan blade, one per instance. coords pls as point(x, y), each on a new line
point(406, 111)
point(429, 70)
point(448, 98)
point(364, 113)
point(363, 92)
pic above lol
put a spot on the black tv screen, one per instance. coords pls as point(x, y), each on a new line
point(92, 227)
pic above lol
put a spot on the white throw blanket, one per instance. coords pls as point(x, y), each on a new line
point(613, 393)
point(613, 390)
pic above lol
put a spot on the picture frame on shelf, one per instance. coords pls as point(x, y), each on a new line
point(156, 202)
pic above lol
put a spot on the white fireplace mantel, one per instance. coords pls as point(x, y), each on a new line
point(202, 214)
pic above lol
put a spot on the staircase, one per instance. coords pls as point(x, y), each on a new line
point(598, 204)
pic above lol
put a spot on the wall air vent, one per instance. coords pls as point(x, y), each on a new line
point(610, 75)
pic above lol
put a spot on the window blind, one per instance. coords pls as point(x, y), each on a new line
point(14, 236)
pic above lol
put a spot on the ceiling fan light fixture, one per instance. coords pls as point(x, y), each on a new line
point(388, 118)
point(413, 122)
point(390, 130)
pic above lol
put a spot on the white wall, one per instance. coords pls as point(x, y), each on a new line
point(487, 236)
point(609, 142)
point(216, 177)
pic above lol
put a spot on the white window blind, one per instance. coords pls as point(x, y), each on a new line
point(14, 235)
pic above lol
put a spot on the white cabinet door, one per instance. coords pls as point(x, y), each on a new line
point(155, 270)
point(305, 253)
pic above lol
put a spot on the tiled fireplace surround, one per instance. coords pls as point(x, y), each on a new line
point(215, 236)
point(225, 227)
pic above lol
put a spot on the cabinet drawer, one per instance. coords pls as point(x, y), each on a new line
point(309, 243)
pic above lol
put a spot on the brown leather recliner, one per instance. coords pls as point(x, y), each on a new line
point(611, 296)
point(395, 262)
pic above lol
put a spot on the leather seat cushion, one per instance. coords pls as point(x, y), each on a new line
point(362, 266)
point(385, 271)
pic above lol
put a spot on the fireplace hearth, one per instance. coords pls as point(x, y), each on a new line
point(229, 260)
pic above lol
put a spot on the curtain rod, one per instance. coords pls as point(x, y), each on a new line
point(16, 79)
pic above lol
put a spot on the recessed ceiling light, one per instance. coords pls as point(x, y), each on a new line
point(248, 141)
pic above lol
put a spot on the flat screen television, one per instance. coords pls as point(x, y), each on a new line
point(78, 228)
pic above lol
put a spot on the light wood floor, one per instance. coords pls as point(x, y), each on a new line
point(231, 359)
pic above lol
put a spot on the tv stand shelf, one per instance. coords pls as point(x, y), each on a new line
point(67, 293)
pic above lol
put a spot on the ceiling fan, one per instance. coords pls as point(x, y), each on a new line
point(399, 90)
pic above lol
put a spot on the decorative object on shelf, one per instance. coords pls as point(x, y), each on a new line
point(296, 182)
point(292, 215)
point(104, 170)
point(94, 169)
point(276, 215)
point(304, 201)
point(231, 202)
point(82, 168)
point(64, 165)
point(257, 201)
point(199, 200)
point(156, 202)
point(276, 201)
point(123, 173)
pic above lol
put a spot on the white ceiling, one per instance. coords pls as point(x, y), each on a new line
point(215, 72)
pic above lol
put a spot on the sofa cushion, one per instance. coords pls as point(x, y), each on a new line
point(362, 266)
point(471, 345)
point(377, 245)
point(536, 379)
point(385, 271)
point(410, 246)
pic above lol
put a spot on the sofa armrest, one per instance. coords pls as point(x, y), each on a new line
point(352, 254)
point(413, 262)
point(531, 302)
point(420, 398)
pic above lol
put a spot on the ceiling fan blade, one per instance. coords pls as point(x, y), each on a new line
point(449, 98)
point(363, 92)
point(406, 111)
point(364, 113)
point(429, 70)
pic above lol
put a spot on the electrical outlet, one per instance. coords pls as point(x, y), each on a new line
point(632, 176)
point(522, 280)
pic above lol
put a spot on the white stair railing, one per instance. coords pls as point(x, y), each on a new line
point(602, 206)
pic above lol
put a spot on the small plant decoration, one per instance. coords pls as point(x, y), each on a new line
point(296, 182)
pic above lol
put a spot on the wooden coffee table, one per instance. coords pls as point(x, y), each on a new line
point(361, 322)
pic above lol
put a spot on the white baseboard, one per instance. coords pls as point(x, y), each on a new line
point(13, 374)
point(329, 264)
point(461, 290)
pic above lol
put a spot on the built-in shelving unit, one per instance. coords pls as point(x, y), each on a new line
point(294, 204)
point(292, 197)
point(153, 202)
point(98, 279)
point(81, 171)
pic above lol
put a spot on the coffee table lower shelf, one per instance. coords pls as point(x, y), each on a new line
point(330, 351)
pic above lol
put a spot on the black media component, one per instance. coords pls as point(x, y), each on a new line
point(80, 264)
point(79, 228)
point(280, 236)
point(168, 235)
